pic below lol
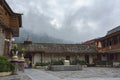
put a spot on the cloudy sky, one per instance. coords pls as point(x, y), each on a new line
point(71, 20)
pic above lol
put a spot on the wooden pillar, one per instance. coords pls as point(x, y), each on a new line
point(6, 48)
point(51, 58)
point(33, 58)
point(108, 59)
point(116, 57)
point(41, 58)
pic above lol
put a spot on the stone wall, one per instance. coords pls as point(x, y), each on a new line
point(2, 38)
point(37, 58)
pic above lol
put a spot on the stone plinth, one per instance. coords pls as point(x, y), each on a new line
point(14, 58)
point(15, 63)
point(21, 66)
point(66, 62)
point(65, 67)
point(5, 74)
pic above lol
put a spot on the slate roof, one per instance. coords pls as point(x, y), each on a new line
point(113, 30)
point(59, 48)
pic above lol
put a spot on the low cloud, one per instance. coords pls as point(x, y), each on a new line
point(72, 20)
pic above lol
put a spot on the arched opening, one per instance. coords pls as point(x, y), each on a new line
point(67, 57)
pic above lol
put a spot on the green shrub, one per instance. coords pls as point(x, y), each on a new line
point(3, 58)
point(5, 65)
point(75, 62)
point(59, 62)
point(37, 64)
point(41, 64)
point(101, 62)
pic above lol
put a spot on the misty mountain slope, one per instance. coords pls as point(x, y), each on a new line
point(36, 38)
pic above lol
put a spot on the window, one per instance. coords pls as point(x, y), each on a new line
point(110, 42)
point(119, 39)
point(115, 40)
point(1, 10)
point(0, 13)
point(5, 13)
point(0, 3)
point(103, 44)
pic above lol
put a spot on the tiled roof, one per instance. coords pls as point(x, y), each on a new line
point(59, 48)
point(113, 30)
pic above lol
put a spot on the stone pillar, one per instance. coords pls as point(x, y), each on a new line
point(14, 61)
point(21, 63)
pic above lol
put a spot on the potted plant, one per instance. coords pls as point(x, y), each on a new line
point(39, 65)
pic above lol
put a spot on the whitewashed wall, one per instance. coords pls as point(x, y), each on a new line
point(55, 57)
point(37, 58)
point(90, 59)
point(48, 57)
point(104, 58)
point(82, 57)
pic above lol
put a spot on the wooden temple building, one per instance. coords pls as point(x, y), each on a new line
point(100, 51)
point(108, 47)
point(10, 23)
point(47, 52)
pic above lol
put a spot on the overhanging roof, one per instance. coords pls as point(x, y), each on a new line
point(114, 51)
point(9, 10)
point(59, 48)
point(113, 30)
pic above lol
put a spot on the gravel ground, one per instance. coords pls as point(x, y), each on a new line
point(91, 73)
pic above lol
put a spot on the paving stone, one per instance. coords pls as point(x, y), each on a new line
point(40, 75)
point(86, 74)
point(90, 73)
point(20, 76)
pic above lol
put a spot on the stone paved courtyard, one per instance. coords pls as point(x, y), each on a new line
point(91, 73)
point(20, 76)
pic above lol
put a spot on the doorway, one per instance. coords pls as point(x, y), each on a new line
point(28, 60)
point(67, 57)
point(87, 59)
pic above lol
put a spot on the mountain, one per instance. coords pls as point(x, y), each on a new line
point(36, 38)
